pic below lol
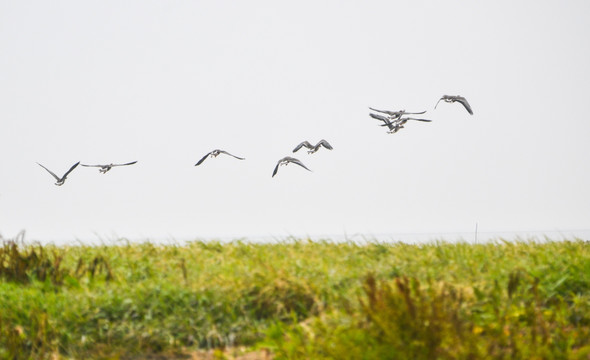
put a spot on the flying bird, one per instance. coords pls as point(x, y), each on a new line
point(313, 148)
point(393, 126)
point(214, 153)
point(397, 114)
point(60, 180)
point(285, 161)
point(453, 98)
point(104, 168)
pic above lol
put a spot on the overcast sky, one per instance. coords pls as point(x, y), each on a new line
point(165, 82)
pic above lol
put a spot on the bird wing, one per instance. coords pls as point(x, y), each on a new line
point(69, 171)
point(426, 120)
point(438, 101)
point(384, 111)
point(129, 163)
point(276, 168)
point(203, 158)
point(305, 143)
point(325, 144)
point(49, 171)
point(418, 113)
point(92, 165)
point(237, 157)
point(296, 161)
point(379, 117)
point(464, 102)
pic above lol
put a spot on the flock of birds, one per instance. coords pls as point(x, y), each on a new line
point(394, 120)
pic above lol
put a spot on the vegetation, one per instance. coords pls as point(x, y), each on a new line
point(296, 299)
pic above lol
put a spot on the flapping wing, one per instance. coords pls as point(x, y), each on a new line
point(425, 120)
point(418, 113)
point(296, 161)
point(92, 165)
point(379, 117)
point(49, 171)
point(237, 157)
point(203, 159)
point(393, 113)
point(464, 102)
point(276, 168)
point(69, 171)
point(129, 163)
point(325, 144)
point(305, 143)
point(442, 98)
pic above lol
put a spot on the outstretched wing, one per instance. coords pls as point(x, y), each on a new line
point(203, 158)
point(296, 161)
point(130, 163)
point(464, 102)
point(237, 157)
point(442, 98)
point(425, 120)
point(418, 113)
point(49, 171)
point(92, 165)
point(276, 168)
point(379, 117)
point(69, 171)
point(325, 144)
point(305, 143)
point(393, 113)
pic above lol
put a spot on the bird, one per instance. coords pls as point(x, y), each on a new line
point(393, 126)
point(104, 168)
point(60, 180)
point(285, 161)
point(453, 98)
point(397, 114)
point(215, 153)
point(313, 148)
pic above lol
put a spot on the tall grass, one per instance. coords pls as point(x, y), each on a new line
point(298, 298)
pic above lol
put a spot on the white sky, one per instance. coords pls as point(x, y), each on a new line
point(165, 82)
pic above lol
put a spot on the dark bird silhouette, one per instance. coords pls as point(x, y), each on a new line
point(313, 148)
point(60, 180)
point(104, 168)
point(457, 98)
point(214, 153)
point(285, 161)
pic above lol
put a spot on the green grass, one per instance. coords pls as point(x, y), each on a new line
point(298, 299)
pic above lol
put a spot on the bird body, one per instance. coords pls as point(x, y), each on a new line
point(215, 153)
point(285, 161)
point(60, 180)
point(313, 148)
point(455, 98)
point(105, 168)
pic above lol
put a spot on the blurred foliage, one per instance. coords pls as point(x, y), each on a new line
point(299, 299)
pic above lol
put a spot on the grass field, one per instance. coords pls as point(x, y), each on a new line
point(296, 299)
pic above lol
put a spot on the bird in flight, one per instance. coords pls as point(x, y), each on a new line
point(394, 126)
point(457, 98)
point(104, 168)
point(313, 148)
point(285, 161)
point(60, 180)
point(214, 153)
point(397, 114)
